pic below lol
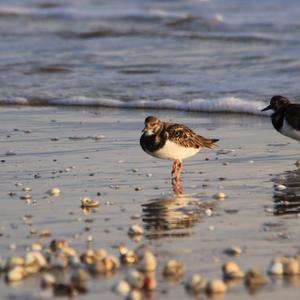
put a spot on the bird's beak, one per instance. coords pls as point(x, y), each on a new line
point(144, 129)
point(267, 108)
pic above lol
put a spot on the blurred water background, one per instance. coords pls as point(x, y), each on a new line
point(202, 55)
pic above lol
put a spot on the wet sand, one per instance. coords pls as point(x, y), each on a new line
point(64, 148)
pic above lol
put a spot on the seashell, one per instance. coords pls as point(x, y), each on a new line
point(135, 230)
point(48, 280)
point(17, 273)
point(26, 189)
point(34, 262)
point(135, 279)
point(88, 257)
point(35, 257)
point(232, 271)
point(280, 187)
point(89, 238)
point(147, 261)
point(195, 284)
point(216, 286)
point(54, 192)
point(69, 251)
point(134, 295)
point(297, 163)
point(36, 247)
point(173, 268)
point(275, 268)
point(208, 212)
point(233, 250)
point(106, 265)
point(45, 233)
point(220, 196)
point(100, 254)
point(129, 257)
point(86, 202)
point(122, 288)
point(291, 267)
point(254, 277)
point(15, 261)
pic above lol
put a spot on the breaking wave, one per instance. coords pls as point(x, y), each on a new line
point(226, 104)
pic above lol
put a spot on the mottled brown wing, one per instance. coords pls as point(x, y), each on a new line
point(185, 137)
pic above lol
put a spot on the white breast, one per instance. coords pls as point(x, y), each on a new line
point(174, 151)
point(287, 130)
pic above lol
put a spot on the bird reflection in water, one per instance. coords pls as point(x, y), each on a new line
point(173, 215)
point(287, 193)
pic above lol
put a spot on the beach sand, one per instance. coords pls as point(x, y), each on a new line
point(85, 151)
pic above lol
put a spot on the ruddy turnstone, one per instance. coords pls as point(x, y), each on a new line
point(172, 141)
point(286, 116)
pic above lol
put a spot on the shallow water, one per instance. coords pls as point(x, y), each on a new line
point(104, 52)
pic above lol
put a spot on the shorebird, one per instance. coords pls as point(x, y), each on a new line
point(286, 116)
point(172, 141)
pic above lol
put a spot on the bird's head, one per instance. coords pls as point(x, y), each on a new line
point(152, 125)
point(277, 102)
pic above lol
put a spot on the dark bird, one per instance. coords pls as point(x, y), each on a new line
point(172, 141)
point(285, 117)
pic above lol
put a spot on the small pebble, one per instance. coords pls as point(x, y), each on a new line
point(233, 250)
point(54, 192)
point(173, 268)
point(211, 227)
point(89, 238)
point(147, 261)
point(135, 217)
point(122, 288)
point(208, 212)
point(16, 274)
point(220, 196)
point(280, 187)
point(216, 286)
point(275, 268)
point(291, 266)
point(195, 284)
point(134, 295)
point(231, 270)
point(255, 278)
point(89, 203)
point(135, 230)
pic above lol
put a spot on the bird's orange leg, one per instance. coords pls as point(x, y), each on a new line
point(179, 168)
point(174, 166)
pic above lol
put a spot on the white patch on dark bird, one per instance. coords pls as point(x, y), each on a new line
point(173, 151)
point(149, 132)
point(289, 131)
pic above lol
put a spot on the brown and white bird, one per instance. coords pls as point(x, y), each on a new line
point(172, 141)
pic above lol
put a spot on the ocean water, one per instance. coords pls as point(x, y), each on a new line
point(198, 55)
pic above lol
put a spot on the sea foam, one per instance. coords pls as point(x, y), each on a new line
point(225, 104)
